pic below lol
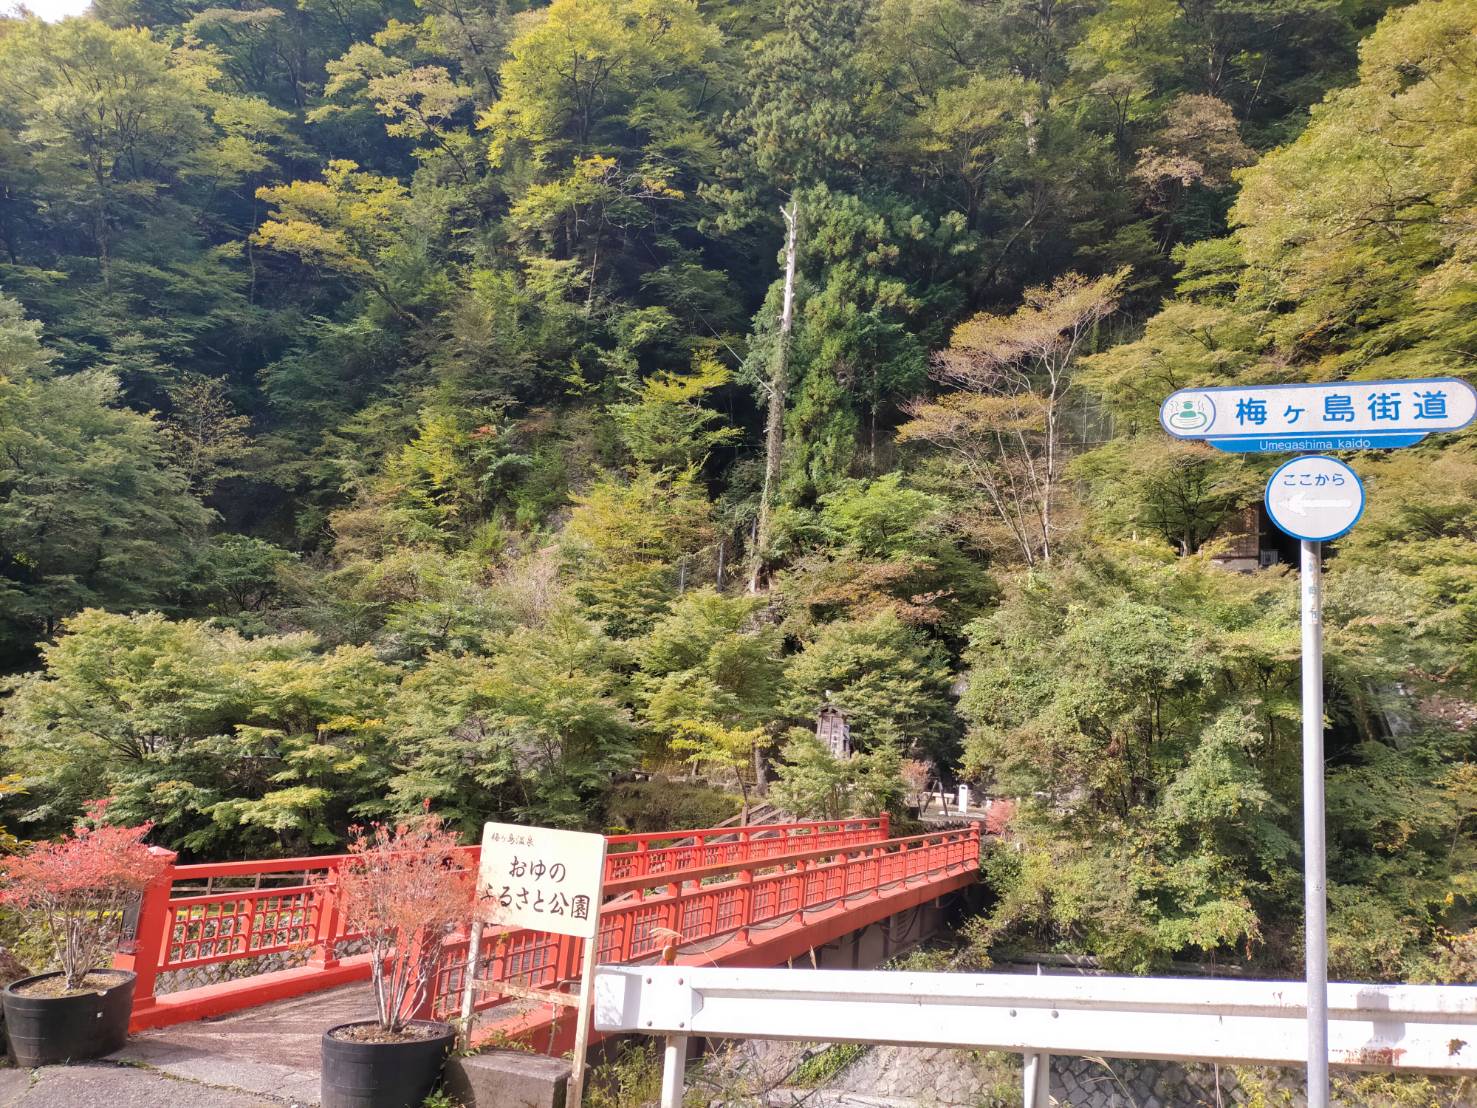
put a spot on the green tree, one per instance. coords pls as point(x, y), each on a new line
point(237, 578)
point(631, 545)
point(804, 96)
point(346, 224)
point(208, 438)
point(890, 679)
point(667, 428)
point(603, 130)
point(882, 545)
point(709, 657)
point(92, 512)
point(114, 118)
point(708, 682)
point(229, 745)
point(532, 731)
point(814, 784)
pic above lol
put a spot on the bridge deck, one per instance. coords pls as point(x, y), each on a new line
point(270, 1050)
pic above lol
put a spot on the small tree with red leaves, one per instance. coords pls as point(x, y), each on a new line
point(407, 889)
point(997, 819)
point(78, 888)
point(915, 777)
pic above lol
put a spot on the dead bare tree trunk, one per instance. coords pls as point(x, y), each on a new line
point(777, 388)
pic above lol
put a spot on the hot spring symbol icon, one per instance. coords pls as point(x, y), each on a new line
point(1193, 414)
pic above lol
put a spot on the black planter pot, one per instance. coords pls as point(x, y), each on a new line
point(383, 1075)
point(43, 1030)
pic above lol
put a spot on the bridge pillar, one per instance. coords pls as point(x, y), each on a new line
point(144, 953)
point(746, 904)
point(674, 909)
point(329, 926)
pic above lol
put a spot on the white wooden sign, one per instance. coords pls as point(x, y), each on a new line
point(545, 880)
point(541, 878)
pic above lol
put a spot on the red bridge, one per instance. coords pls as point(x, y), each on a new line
point(217, 938)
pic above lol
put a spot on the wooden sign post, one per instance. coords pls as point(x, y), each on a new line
point(544, 880)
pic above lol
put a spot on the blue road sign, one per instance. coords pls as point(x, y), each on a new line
point(1315, 498)
point(1349, 415)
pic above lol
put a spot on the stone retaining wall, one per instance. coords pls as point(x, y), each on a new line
point(954, 1079)
point(1121, 1083)
point(921, 1077)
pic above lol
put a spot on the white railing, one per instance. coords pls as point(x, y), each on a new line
point(1424, 1028)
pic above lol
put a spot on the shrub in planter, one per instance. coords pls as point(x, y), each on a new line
point(76, 892)
point(406, 889)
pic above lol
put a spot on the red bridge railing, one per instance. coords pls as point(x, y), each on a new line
point(641, 856)
point(216, 937)
point(727, 905)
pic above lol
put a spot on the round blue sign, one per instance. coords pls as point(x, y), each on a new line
point(1315, 498)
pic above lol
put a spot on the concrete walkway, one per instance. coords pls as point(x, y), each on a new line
point(270, 1052)
point(109, 1085)
point(264, 1057)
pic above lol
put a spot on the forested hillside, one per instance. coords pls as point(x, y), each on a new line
point(473, 403)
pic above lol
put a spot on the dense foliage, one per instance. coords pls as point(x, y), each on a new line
point(494, 404)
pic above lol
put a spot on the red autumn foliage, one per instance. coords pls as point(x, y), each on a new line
point(408, 890)
point(916, 774)
point(997, 819)
point(77, 889)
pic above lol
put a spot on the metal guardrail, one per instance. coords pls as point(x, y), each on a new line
point(1421, 1028)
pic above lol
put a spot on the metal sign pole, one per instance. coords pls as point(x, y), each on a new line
point(1316, 499)
point(1315, 880)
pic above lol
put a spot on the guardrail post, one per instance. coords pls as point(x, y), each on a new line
point(144, 953)
point(1037, 1081)
point(885, 822)
point(674, 1067)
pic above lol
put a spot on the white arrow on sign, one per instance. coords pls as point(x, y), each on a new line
point(1301, 504)
point(1315, 498)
